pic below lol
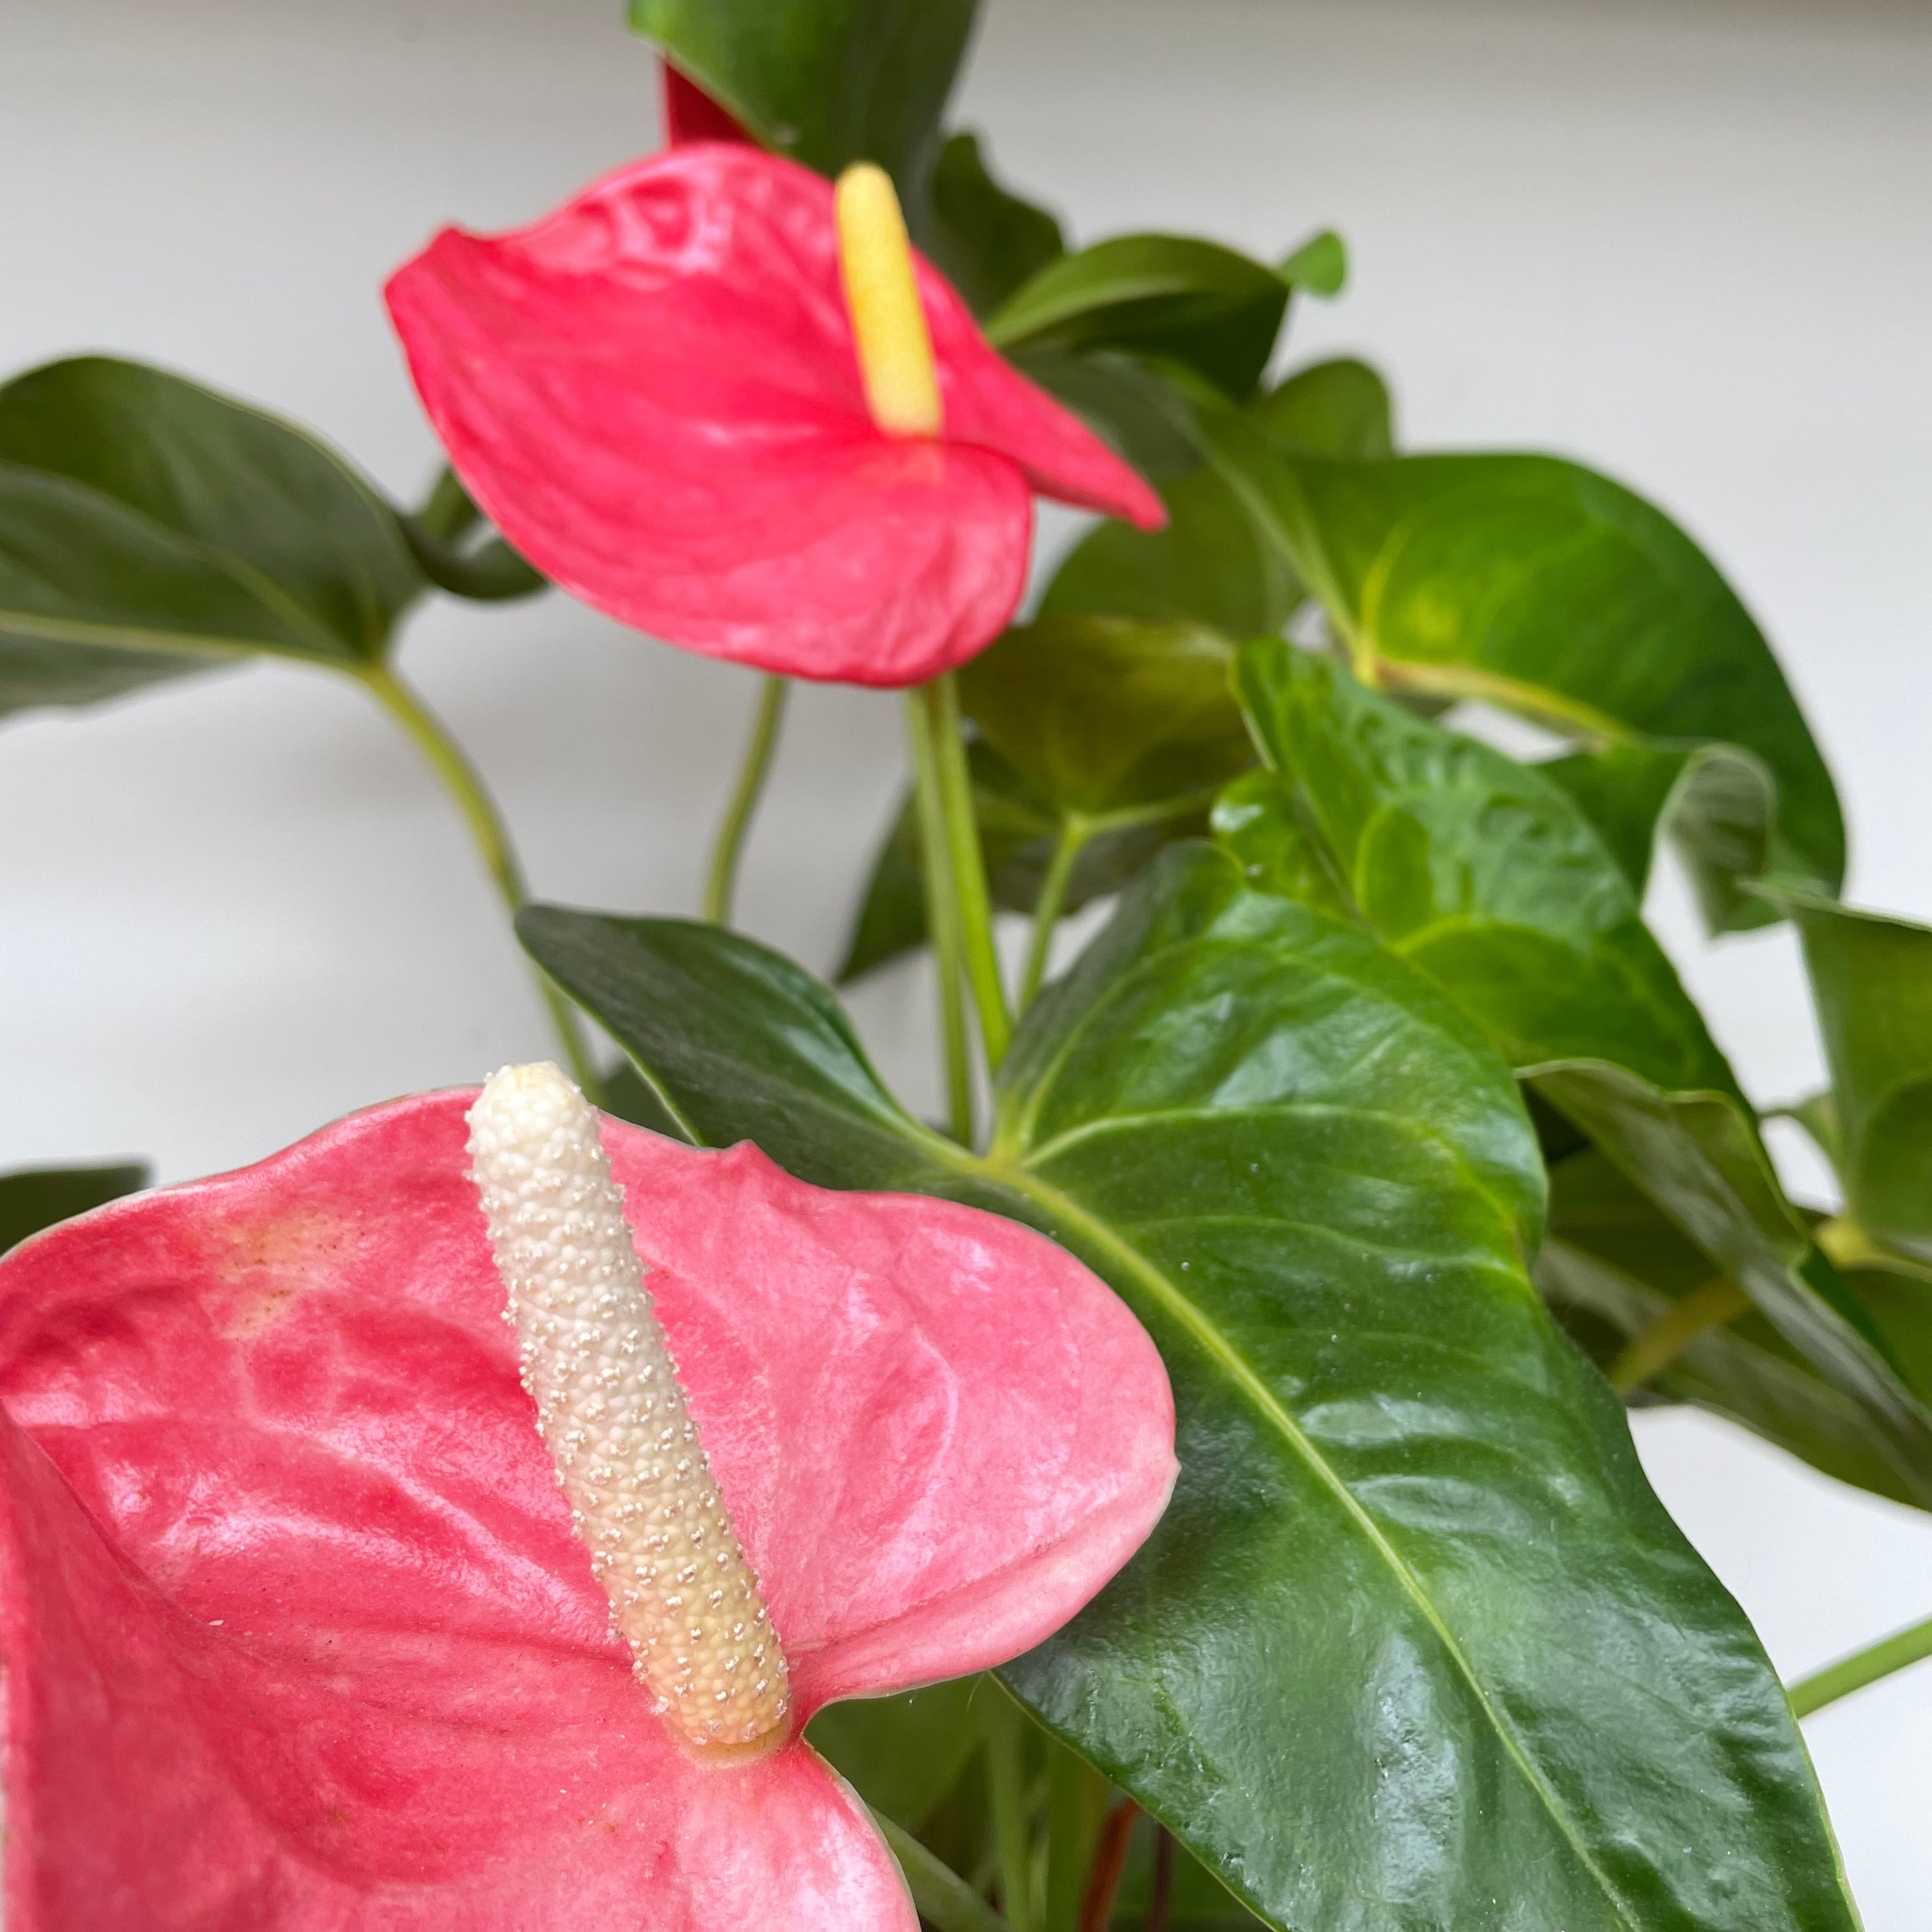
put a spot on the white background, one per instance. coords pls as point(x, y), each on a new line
point(1687, 242)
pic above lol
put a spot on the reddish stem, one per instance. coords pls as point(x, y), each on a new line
point(1110, 1857)
point(1162, 1897)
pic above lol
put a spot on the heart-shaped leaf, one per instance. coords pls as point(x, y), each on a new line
point(1536, 584)
point(827, 82)
point(1413, 1629)
point(36, 1198)
point(987, 240)
point(150, 528)
point(1213, 310)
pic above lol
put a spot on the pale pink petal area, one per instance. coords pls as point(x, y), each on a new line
point(298, 1635)
point(654, 393)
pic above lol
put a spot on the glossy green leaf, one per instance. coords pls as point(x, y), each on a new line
point(1256, 822)
point(1487, 875)
point(36, 1198)
point(1615, 1267)
point(149, 527)
point(1127, 403)
point(902, 1755)
point(1481, 870)
point(1098, 714)
point(988, 241)
point(827, 82)
point(1871, 984)
point(1414, 1641)
point(1536, 584)
point(1208, 308)
point(1716, 804)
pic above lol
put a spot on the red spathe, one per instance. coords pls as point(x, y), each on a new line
point(654, 393)
point(298, 1636)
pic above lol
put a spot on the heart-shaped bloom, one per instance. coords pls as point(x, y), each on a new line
point(656, 393)
point(298, 1634)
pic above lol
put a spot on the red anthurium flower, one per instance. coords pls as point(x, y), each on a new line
point(656, 395)
point(299, 1636)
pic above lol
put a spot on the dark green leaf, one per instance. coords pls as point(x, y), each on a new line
point(827, 82)
point(1127, 404)
point(988, 241)
point(149, 527)
point(1614, 1266)
point(1211, 309)
point(1338, 408)
point(37, 1197)
point(1871, 983)
point(625, 1092)
point(1717, 804)
point(1534, 583)
point(1255, 821)
point(1414, 1640)
point(1481, 870)
point(1098, 715)
point(902, 1755)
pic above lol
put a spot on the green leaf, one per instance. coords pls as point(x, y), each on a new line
point(1209, 308)
point(1127, 404)
point(489, 572)
point(36, 1198)
point(1697, 1155)
point(1717, 805)
point(827, 82)
point(1340, 408)
point(1487, 875)
point(149, 528)
point(902, 1755)
point(1615, 1267)
point(1414, 1634)
point(1536, 584)
point(1098, 715)
point(1479, 870)
point(1255, 823)
point(988, 242)
point(1871, 984)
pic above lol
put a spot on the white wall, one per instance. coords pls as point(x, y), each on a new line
point(1686, 242)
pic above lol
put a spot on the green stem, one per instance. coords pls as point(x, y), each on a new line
point(1006, 1788)
point(724, 855)
point(445, 758)
point(941, 699)
point(1862, 1667)
point(1074, 832)
point(942, 915)
point(944, 1900)
point(1700, 1311)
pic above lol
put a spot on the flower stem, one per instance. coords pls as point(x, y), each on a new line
point(1005, 1775)
point(1862, 1667)
point(1700, 1311)
point(724, 855)
point(943, 1899)
point(1110, 1858)
point(492, 839)
point(942, 915)
point(1075, 831)
point(941, 699)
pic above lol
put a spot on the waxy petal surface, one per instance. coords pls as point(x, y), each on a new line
point(298, 1636)
point(655, 394)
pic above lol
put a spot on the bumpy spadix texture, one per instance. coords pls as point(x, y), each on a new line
point(609, 1409)
point(298, 1636)
point(656, 394)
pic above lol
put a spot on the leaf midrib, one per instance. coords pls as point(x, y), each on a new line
point(1193, 1319)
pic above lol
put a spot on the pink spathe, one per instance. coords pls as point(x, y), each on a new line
point(298, 1636)
point(655, 394)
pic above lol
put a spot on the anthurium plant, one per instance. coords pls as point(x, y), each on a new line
point(1188, 1485)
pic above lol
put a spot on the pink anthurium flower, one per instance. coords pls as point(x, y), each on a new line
point(659, 395)
point(300, 1635)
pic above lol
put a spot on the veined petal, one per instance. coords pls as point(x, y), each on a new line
point(298, 1636)
point(655, 393)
